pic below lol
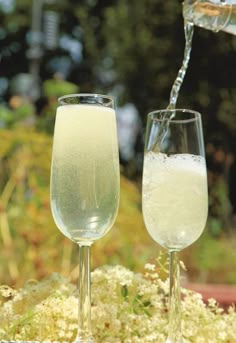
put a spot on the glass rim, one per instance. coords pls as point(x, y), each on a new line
point(62, 98)
point(195, 115)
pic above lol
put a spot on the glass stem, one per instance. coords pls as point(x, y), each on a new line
point(84, 324)
point(174, 331)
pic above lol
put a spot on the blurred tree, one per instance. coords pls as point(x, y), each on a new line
point(130, 43)
point(136, 45)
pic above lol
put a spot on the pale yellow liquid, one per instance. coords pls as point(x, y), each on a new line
point(212, 16)
point(175, 201)
point(85, 171)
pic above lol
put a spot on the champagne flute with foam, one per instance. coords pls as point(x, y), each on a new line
point(85, 182)
point(174, 193)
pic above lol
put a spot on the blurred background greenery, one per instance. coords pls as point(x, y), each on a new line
point(132, 50)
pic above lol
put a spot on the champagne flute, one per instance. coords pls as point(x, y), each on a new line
point(85, 182)
point(174, 194)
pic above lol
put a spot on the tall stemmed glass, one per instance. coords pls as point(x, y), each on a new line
point(174, 195)
point(85, 182)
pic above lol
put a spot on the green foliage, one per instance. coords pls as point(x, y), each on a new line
point(130, 44)
point(219, 207)
point(6, 116)
point(24, 202)
point(55, 88)
point(225, 113)
point(212, 260)
point(19, 112)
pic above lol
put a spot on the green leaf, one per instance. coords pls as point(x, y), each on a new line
point(124, 291)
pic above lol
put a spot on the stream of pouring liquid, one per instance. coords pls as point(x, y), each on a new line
point(168, 115)
point(188, 30)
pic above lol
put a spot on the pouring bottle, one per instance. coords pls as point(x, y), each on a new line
point(215, 15)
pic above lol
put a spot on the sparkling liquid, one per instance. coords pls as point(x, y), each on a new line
point(85, 171)
point(174, 198)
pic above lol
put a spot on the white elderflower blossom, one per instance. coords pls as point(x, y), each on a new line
point(126, 308)
point(150, 266)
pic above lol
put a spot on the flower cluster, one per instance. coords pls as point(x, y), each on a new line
point(127, 307)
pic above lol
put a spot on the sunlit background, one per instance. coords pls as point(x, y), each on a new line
point(131, 50)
